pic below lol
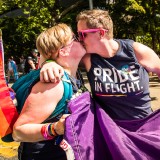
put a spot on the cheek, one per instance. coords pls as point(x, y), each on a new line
point(90, 41)
point(90, 46)
point(87, 43)
point(80, 49)
point(83, 51)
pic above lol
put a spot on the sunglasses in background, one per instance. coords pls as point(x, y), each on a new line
point(83, 33)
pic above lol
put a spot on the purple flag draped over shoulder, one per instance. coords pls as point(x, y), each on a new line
point(93, 135)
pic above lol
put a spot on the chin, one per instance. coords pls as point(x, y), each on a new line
point(90, 50)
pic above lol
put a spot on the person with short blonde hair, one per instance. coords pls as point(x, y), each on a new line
point(41, 119)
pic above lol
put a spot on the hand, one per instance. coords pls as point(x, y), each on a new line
point(60, 125)
point(51, 72)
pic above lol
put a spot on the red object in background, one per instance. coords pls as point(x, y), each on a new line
point(8, 111)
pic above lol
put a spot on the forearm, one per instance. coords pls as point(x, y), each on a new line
point(28, 133)
point(33, 66)
point(35, 132)
point(155, 70)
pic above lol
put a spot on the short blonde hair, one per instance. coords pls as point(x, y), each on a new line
point(97, 18)
point(52, 39)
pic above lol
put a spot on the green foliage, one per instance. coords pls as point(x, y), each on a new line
point(146, 39)
point(132, 19)
point(134, 7)
point(19, 34)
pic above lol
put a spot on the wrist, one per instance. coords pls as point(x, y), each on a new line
point(45, 132)
point(53, 129)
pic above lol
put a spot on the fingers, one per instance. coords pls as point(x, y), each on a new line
point(65, 116)
point(61, 72)
point(44, 76)
point(62, 119)
point(60, 125)
point(57, 73)
point(51, 72)
point(50, 75)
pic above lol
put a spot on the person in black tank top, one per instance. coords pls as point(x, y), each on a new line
point(32, 61)
point(117, 69)
point(41, 122)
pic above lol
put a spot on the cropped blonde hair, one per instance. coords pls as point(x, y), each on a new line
point(97, 18)
point(52, 39)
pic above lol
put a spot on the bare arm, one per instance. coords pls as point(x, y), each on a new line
point(52, 72)
point(38, 107)
point(147, 58)
point(32, 64)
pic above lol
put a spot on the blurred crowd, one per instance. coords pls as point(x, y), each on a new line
point(18, 66)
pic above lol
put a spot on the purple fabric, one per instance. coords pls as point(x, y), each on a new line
point(12, 95)
point(93, 135)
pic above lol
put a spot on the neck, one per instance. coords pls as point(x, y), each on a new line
point(109, 48)
point(71, 72)
point(72, 68)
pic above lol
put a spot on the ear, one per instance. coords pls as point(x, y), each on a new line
point(102, 32)
point(63, 52)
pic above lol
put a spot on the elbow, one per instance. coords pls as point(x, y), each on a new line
point(15, 138)
point(16, 135)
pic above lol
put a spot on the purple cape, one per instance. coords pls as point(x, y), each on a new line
point(93, 135)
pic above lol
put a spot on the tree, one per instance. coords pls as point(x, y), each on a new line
point(21, 21)
point(152, 22)
point(20, 32)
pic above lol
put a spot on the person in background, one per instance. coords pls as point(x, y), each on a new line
point(32, 61)
point(12, 69)
point(41, 121)
point(117, 69)
point(36, 58)
point(22, 64)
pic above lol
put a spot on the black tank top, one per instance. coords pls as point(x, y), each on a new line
point(120, 84)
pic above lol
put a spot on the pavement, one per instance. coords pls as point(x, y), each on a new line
point(154, 86)
point(8, 151)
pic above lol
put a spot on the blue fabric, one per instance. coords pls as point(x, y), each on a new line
point(24, 84)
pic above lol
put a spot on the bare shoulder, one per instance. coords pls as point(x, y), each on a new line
point(41, 102)
point(143, 52)
point(48, 91)
point(147, 57)
point(140, 48)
